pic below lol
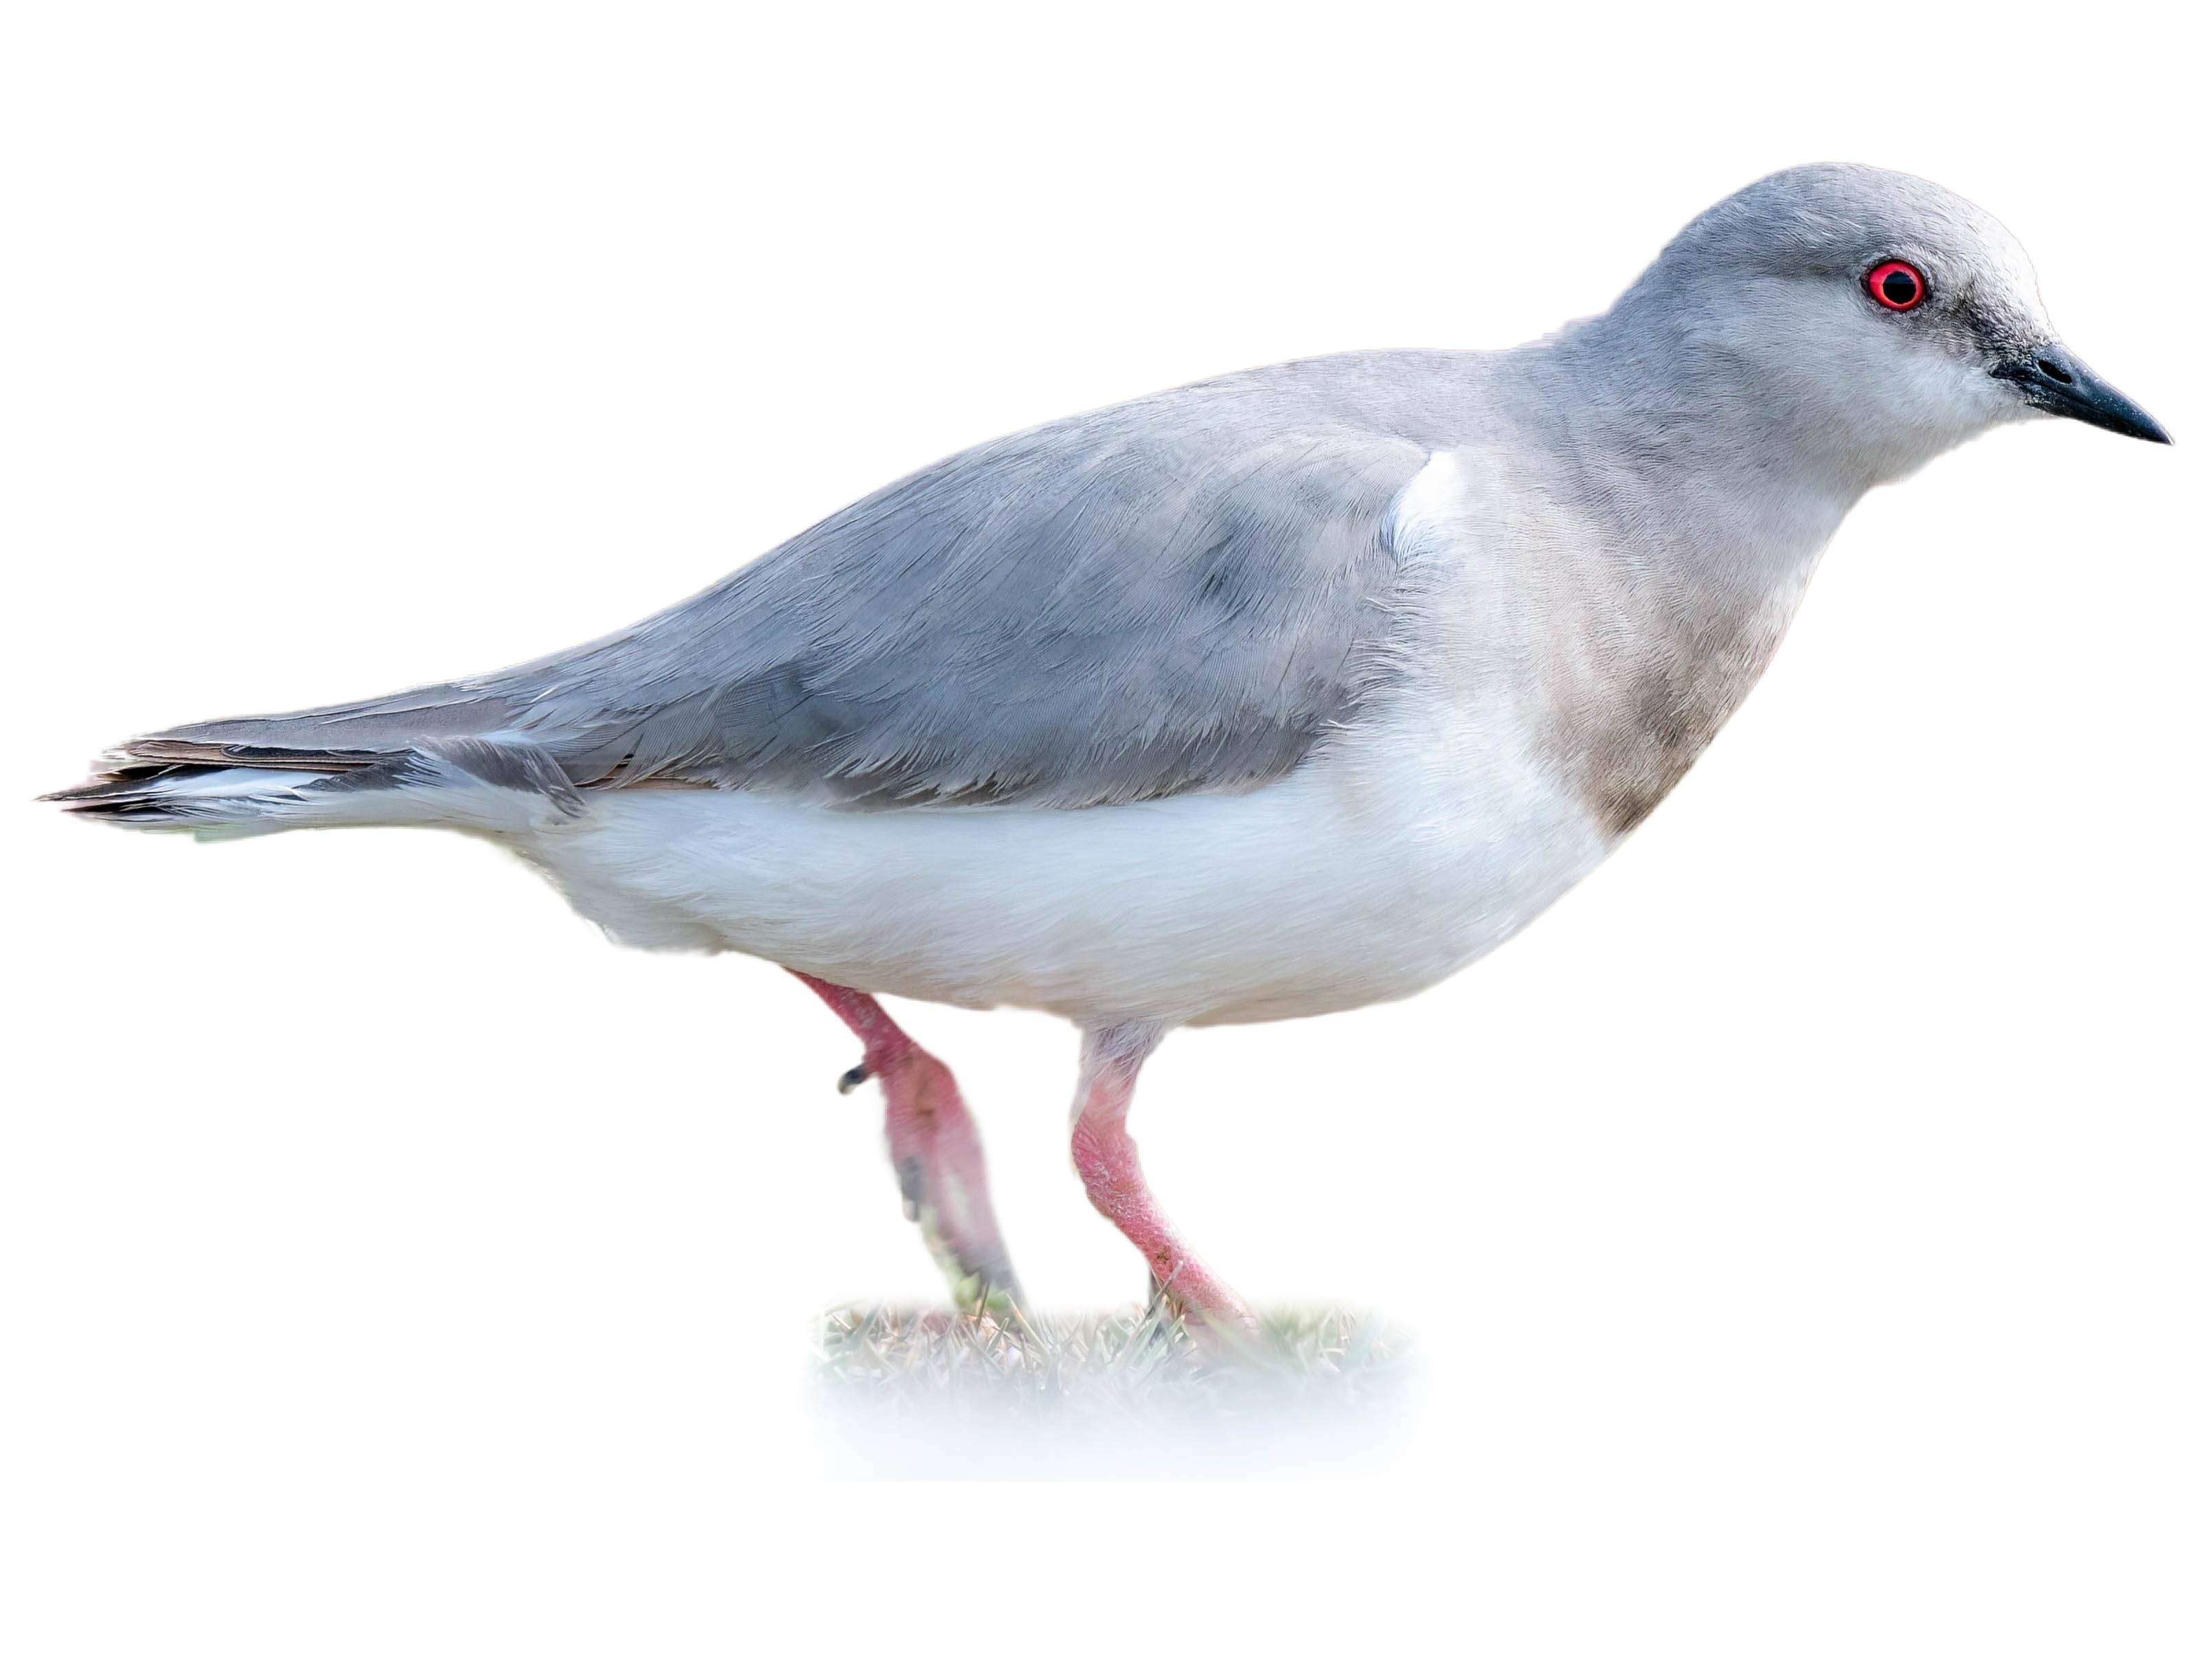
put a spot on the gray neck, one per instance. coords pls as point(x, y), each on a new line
point(1673, 437)
point(1711, 515)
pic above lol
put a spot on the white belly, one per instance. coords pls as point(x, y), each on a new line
point(1373, 872)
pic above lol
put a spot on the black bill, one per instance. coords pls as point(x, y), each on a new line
point(2054, 378)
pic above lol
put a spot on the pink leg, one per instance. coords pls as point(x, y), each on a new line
point(935, 1150)
point(1106, 1157)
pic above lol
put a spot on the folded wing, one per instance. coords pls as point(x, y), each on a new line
point(1185, 592)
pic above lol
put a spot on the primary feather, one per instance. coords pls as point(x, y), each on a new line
point(1185, 592)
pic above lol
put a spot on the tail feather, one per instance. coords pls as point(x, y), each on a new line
point(166, 782)
point(197, 798)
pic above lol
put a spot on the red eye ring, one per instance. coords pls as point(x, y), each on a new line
point(1896, 286)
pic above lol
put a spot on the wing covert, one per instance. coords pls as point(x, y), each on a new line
point(1064, 618)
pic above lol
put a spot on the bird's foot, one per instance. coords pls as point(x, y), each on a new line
point(1114, 1180)
point(938, 1158)
point(935, 1150)
point(1217, 1318)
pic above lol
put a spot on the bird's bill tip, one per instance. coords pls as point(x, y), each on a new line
point(2055, 381)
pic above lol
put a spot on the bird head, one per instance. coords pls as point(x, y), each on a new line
point(1877, 318)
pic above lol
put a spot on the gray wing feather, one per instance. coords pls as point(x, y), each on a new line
point(1184, 592)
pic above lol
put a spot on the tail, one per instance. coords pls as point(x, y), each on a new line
point(360, 764)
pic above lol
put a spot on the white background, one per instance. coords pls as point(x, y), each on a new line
point(1806, 1224)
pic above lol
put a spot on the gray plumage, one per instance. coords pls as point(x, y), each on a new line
point(1392, 649)
point(1184, 592)
point(1193, 591)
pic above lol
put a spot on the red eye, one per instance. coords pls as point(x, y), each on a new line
point(1897, 285)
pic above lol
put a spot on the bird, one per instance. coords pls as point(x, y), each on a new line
point(1282, 693)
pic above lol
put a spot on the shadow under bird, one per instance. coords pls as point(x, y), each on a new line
point(1279, 694)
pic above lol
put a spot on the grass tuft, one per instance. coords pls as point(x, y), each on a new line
point(1143, 1365)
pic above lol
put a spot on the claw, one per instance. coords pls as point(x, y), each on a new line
point(853, 1079)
